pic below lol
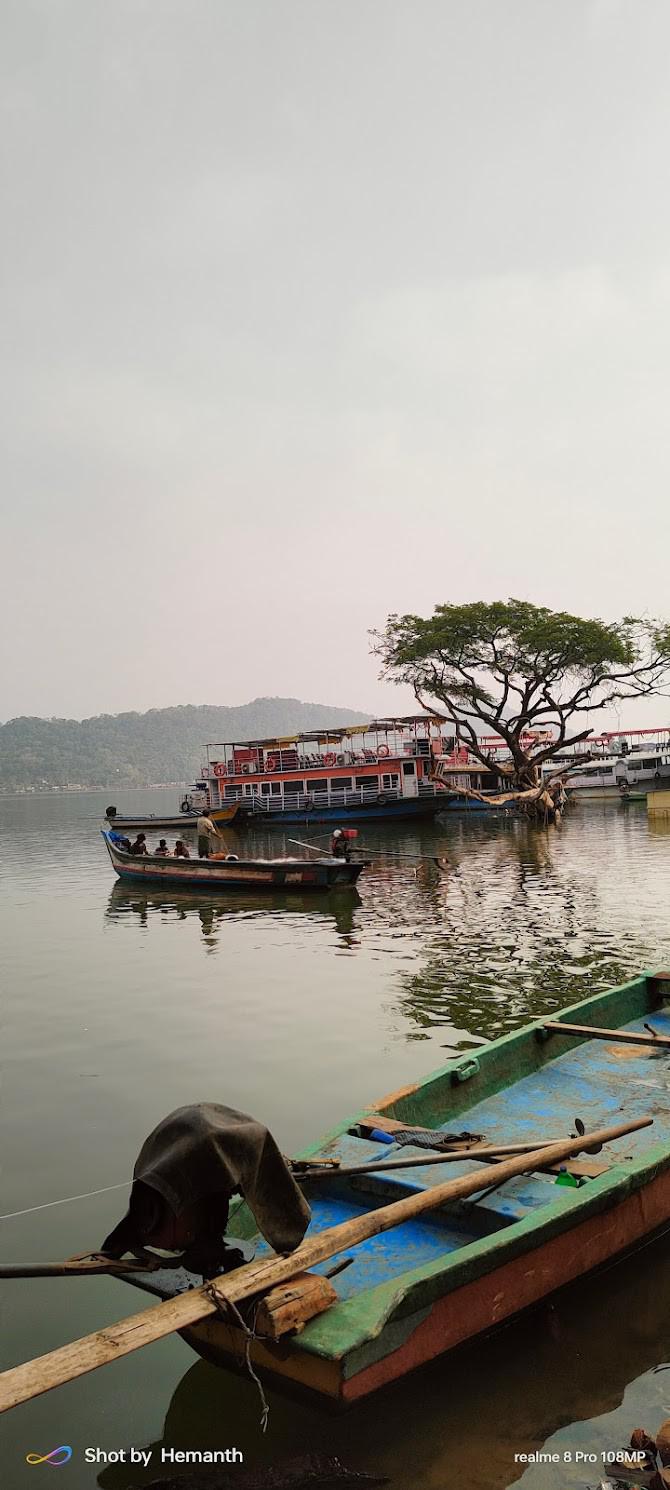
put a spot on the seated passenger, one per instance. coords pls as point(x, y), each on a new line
point(180, 850)
point(140, 844)
point(162, 849)
point(120, 841)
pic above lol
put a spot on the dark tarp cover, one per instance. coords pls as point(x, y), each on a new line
point(207, 1150)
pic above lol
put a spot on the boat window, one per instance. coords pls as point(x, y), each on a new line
point(650, 765)
point(265, 788)
point(319, 785)
point(362, 781)
point(275, 788)
point(340, 783)
point(390, 782)
point(232, 791)
point(293, 788)
point(408, 768)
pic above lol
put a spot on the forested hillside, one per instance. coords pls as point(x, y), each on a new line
point(137, 749)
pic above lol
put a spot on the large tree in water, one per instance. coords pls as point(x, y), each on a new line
point(525, 673)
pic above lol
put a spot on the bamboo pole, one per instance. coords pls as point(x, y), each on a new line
point(22, 1383)
point(593, 1032)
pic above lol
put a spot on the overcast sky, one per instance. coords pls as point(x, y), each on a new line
point(316, 310)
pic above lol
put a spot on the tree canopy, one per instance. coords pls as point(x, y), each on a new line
point(523, 672)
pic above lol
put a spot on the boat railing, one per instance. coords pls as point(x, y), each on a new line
point(307, 802)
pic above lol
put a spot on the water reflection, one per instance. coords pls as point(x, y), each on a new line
point(519, 923)
point(143, 905)
point(277, 1021)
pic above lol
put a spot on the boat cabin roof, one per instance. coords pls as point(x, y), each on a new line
point(399, 724)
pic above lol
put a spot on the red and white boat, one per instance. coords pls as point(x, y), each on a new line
point(384, 769)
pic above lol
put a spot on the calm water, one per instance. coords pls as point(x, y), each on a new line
point(119, 1005)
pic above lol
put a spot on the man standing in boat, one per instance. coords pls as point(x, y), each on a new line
point(339, 845)
point(207, 835)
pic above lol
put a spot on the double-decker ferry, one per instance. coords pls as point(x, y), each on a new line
point(387, 768)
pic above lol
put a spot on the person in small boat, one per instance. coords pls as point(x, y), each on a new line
point(186, 1173)
point(140, 844)
point(207, 835)
point(162, 849)
point(119, 839)
point(181, 851)
point(339, 846)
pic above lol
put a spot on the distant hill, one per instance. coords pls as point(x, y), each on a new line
point(137, 749)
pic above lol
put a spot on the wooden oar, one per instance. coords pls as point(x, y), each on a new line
point(593, 1032)
point(313, 846)
point(85, 1265)
point(21, 1383)
point(386, 852)
point(450, 1156)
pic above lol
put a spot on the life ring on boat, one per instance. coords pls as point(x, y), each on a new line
point(381, 799)
point(383, 752)
point(219, 768)
point(185, 806)
point(272, 763)
point(329, 759)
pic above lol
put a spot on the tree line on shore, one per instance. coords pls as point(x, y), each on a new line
point(136, 749)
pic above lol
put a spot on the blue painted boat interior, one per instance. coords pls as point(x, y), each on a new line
point(600, 1082)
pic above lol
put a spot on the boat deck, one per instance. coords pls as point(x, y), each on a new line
point(599, 1082)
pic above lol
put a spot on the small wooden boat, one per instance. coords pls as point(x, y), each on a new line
point(628, 796)
point(226, 872)
point(178, 823)
point(446, 1275)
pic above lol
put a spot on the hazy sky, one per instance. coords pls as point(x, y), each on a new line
point(316, 310)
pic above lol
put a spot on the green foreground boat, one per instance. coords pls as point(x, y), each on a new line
point(450, 1273)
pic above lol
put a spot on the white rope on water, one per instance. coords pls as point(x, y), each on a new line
point(11, 1215)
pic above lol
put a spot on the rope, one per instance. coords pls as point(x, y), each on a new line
point(224, 1305)
point(11, 1215)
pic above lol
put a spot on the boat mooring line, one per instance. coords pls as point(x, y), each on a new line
point(11, 1215)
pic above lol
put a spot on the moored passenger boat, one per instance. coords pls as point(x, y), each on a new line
point(449, 1273)
point(385, 769)
point(607, 777)
point(186, 819)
